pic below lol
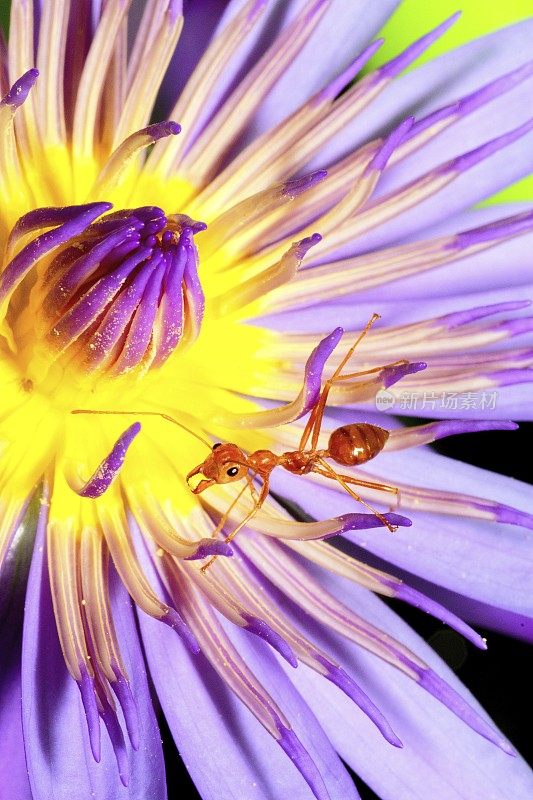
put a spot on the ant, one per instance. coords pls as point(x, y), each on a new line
point(349, 445)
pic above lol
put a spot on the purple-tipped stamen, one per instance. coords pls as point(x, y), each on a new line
point(360, 522)
point(419, 600)
point(297, 186)
point(260, 628)
point(339, 83)
point(458, 318)
point(211, 547)
point(116, 736)
point(20, 89)
point(108, 470)
point(74, 220)
point(174, 621)
point(127, 291)
point(436, 686)
point(340, 678)
point(88, 697)
point(314, 368)
point(391, 375)
point(290, 743)
point(502, 229)
point(471, 102)
point(393, 140)
point(125, 697)
point(468, 160)
point(401, 62)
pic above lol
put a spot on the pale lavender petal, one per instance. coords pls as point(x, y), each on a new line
point(62, 766)
point(201, 19)
point(345, 30)
point(13, 771)
point(441, 80)
point(205, 716)
point(441, 758)
point(437, 547)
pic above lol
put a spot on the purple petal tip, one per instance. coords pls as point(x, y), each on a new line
point(174, 621)
point(108, 470)
point(292, 746)
point(303, 246)
point(260, 628)
point(297, 186)
point(355, 521)
point(392, 375)
point(393, 140)
point(20, 89)
point(436, 686)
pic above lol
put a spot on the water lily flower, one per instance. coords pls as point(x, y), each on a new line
point(197, 281)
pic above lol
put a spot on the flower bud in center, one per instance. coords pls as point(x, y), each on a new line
point(123, 293)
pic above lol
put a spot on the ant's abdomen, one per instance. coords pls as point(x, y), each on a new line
point(357, 443)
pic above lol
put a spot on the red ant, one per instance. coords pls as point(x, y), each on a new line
point(349, 445)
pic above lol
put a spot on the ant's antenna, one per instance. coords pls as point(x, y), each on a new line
point(145, 414)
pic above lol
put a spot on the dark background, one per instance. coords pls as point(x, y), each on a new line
point(500, 678)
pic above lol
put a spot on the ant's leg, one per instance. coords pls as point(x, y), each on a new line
point(321, 405)
point(349, 375)
point(314, 422)
point(228, 511)
point(308, 428)
point(382, 487)
point(257, 505)
point(336, 477)
point(253, 492)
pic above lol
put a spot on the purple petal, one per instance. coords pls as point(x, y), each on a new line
point(433, 738)
point(13, 770)
point(61, 766)
point(204, 716)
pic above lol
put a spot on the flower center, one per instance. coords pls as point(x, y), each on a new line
point(120, 296)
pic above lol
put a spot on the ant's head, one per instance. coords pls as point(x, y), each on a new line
point(225, 464)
